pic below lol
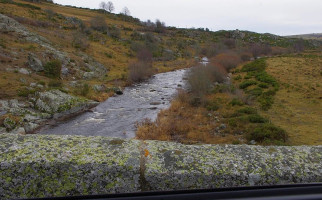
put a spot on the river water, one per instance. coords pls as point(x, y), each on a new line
point(117, 116)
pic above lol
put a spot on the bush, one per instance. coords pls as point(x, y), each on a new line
point(257, 65)
point(53, 69)
point(212, 106)
point(266, 101)
point(24, 92)
point(114, 32)
point(247, 110)
point(144, 55)
point(247, 83)
point(199, 81)
point(139, 71)
point(84, 89)
point(255, 92)
point(263, 85)
point(237, 78)
point(245, 56)
point(256, 118)
point(268, 133)
point(265, 78)
point(236, 102)
point(98, 23)
point(80, 41)
point(227, 60)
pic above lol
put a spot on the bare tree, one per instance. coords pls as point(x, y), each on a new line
point(102, 5)
point(125, 11)
point(110, 6)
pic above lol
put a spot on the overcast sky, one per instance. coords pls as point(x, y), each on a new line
point(281, 17)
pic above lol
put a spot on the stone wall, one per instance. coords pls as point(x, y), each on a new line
point(42, 166)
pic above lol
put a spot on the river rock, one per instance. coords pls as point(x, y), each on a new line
point(118, 91)
point(155, 103)
point(30, 127)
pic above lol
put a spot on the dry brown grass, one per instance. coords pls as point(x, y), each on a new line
point(188, 124)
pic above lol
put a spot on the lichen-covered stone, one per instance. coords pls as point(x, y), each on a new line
point(176, 166)
point(48, 166)
point(40, 166)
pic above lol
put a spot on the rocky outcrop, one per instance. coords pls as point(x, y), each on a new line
point(94, 68)
point(34, 63)
point(9, 25)
point(47, 166)
point(42, 107)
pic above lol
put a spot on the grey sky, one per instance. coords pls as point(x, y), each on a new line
point(282, 17)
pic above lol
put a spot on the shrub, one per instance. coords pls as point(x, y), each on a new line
point(263, 85)
point(84, 89)
point(227, 60)
point(236, 102)
point(247, 110)
point(53, 69)
point(139, 71)
point(265, 78)
point(265, 101)
point(50, 13)
point(247, 83)
point(237, 78)
point(144, 55)
point(98, 23)
point(255, 92)
point(24, 92)
point(256, 118)
point(80, 41)
point(43, 83)
point(268, 133)
point(230, 43)
point(115, 32)
point(199, 81)
point(257, 65)
point(212, 106)
point(245, 56)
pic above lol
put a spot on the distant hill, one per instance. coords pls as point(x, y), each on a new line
point(312, 36)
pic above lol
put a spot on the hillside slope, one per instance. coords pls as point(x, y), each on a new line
point(56, 59)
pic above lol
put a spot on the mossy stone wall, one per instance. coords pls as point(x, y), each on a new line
point(47, 166)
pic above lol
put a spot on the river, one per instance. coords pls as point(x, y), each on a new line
point(117, 116)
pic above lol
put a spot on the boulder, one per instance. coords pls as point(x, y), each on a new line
point(118, 91)
point(53, 101)
point(89, 75)
point(34, 63)
point(30, 127)
point(23, 71)
point(19, 130)
point(99, 88)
